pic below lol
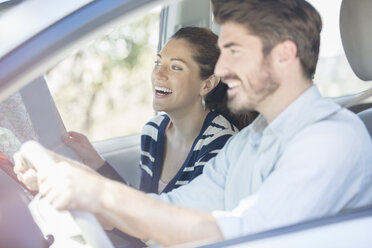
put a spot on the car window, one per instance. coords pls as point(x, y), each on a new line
point(103, 90)
point(334, 75)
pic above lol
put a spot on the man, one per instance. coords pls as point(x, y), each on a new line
point(302, 158)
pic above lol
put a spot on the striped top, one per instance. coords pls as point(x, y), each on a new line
point(216, 130)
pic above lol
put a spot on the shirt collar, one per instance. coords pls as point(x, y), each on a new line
point(309, 107)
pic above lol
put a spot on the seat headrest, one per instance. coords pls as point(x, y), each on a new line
point(356, 35)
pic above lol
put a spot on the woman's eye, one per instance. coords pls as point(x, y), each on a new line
point(177, 68)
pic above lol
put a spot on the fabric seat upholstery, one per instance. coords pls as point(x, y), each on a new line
point(366, 117)
point(356, 35)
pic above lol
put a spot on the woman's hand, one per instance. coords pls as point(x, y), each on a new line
point(84, 149)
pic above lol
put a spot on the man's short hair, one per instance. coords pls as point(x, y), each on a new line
point(275, 21)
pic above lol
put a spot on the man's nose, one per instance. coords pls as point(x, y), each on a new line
point(221, 68)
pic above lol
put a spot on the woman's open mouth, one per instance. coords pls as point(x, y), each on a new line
point(162, 91)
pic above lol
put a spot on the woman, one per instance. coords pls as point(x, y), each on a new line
point(176, 145)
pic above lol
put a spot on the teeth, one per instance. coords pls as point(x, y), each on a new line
point(157, 88)
point(232, 85)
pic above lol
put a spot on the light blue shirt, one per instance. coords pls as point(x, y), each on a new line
point(313, 160)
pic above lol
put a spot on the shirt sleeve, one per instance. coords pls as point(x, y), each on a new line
point(319, 174)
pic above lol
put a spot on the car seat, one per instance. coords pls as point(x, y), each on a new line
point(356, 35)
point(366, 117)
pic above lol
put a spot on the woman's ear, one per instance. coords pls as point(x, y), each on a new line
point(209, 84)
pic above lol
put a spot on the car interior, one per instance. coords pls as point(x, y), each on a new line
point(357, 44)
point(123, 152)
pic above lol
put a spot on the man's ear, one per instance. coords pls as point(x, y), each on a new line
point(285, 52)
point(209, 84)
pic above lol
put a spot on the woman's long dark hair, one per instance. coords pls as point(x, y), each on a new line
point(206, 54)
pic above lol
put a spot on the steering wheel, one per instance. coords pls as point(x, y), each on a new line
point(79, 229)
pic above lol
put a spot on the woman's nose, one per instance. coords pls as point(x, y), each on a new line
point(161, 73)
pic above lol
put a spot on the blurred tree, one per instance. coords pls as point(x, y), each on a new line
point(103, 90)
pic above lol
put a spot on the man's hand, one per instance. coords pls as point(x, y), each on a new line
point(25, 174)
point(29, 176)
point(69, 186)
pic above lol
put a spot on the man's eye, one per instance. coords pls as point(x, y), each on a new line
point(233, 51)
point(177, 68)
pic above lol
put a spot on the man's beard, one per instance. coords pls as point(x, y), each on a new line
point(267, 86)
